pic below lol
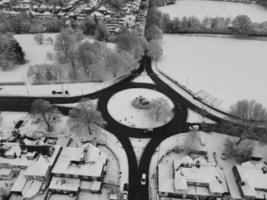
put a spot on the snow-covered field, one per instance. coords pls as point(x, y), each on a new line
point(34, 54)
point(205, 8)
point(226, 68)
point(120, 108)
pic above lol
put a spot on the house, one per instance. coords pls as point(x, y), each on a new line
point(86, 163)
point(189, 179)
point(251, 180)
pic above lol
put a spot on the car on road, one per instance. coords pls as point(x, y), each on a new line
point(125, 192)
point(143, 179)
point(125, 195)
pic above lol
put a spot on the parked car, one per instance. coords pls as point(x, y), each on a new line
point(143, 179)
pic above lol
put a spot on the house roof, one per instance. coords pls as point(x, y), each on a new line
point(66, 184)
point(253, 177)
point(19, 183)
point(91, 159)
point(39, 168)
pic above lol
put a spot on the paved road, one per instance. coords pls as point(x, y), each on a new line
point(176, 125)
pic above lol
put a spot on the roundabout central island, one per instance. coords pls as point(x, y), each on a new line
point(140, 108)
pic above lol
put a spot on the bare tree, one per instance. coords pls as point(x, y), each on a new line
point(242, 23)
point(39, 37)
point(45, 111)
point(154, 50)
point(240, 152)
point(85, 114)
point(191, 141)
point(250, 113)
point(160, 109)
point(66, 45)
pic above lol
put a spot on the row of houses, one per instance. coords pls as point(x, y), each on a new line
point(43, 167)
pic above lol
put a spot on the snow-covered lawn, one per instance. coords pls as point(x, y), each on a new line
point(205, 8)
point(226, 68)
point(120, 108)
point(34, 54)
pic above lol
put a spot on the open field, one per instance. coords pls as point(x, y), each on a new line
point(227, 68)
point(205, 8)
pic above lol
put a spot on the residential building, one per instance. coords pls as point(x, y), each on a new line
point(86, 163)
point(191, 179)
point(251, 180)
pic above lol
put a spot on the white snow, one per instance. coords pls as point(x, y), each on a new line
point(226, 68)
point(143, 78)
point(139, 146)
point(9, 121)
point(205, 8)
point(120, 108)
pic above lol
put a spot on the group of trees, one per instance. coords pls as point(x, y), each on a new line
point(240, 25)
point(85, 114)
point(250, 114)
point(77, 58)
point(11, 53)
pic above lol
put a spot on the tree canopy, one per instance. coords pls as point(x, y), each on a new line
point(45, 111)
point(11, 53)
point(85, 114)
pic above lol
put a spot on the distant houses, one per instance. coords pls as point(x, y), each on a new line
point(132, 15)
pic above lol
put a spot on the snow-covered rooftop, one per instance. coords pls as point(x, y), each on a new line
point(253, 178)
point(210, 177)
point(19, 183)
point(91, 161)
point(39, 168)
point(68, 184)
